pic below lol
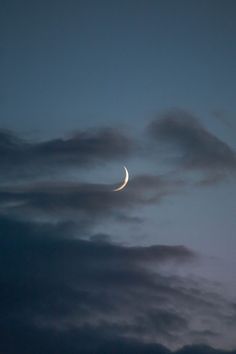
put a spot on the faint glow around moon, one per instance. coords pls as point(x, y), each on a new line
point(125, 181)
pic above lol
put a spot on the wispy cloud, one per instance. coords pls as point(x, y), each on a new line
point(61, 199)
point(194, 147)
point(21, 158)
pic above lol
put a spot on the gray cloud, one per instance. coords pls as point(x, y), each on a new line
point(21, 159)
point(196, 147)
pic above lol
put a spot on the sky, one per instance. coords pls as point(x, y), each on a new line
point(88, 87)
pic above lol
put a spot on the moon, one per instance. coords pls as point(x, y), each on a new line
point(122, 186)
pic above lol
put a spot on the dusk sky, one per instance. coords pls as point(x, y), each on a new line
point(86, 88)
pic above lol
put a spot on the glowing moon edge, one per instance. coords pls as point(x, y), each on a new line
point(122, 186)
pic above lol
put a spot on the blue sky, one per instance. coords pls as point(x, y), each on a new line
point(118, 62)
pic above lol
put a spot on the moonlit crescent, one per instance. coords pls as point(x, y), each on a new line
point(125, 181)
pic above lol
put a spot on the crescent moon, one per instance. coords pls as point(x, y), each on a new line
point(122, 186)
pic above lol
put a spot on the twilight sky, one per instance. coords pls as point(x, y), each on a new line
point(87, 87)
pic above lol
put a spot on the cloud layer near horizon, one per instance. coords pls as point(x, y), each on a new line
point(93, 293)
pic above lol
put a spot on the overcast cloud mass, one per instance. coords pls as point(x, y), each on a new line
point(61, 279)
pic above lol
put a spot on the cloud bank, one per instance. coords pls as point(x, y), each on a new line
point(60, 291)
point(65, 287)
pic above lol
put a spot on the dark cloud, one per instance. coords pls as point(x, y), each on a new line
point(201, 349)
point(196, 147)
point(89, 200)
point(20, 158)
point(62, 293)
